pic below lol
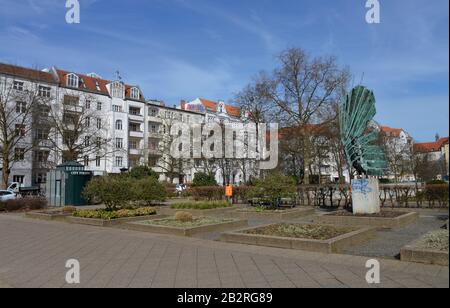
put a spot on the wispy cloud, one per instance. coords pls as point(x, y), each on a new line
point(250, 22)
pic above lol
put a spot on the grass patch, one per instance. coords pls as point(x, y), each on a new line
point(436, 240)
point(312, 232)
point(201, 205)
point(116, 214)
point(196, 222)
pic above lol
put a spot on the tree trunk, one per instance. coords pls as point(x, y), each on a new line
point(5, 174)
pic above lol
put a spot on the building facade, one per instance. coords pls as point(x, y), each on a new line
point(108, 126)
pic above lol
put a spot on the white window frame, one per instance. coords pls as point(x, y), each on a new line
point(73, 80)
point(135, 93)
point(119, 125)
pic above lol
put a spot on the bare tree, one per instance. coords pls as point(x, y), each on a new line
point(398, 155)
point(78, 131)
point(297, 91)
point(20, 102)
point(171, 166)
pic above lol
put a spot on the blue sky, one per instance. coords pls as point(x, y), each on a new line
point(183, 49)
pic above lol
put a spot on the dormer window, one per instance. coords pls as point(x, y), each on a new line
point(134, 94)
point(117, 90)
point(72, 81)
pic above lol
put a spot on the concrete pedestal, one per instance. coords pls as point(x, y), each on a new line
point(366, 196)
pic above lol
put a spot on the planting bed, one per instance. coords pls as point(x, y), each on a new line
point(282, 214)
point(49, 215)
point(384, 220)
point(430, 249)
point(175, 227)
point(317, 238)
point(106, 218)
point(198, 208)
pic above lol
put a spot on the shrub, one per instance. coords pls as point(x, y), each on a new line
point(273, 187)
point(207, 193)
point(24, 204)
point(436, 193)
point(201, 205)
point(117, 192)
point(141, 172)
point(147, 190)
point(106, 214)
point(113, 191)
point(204, 179)
point(184, 216)
point(436, 182)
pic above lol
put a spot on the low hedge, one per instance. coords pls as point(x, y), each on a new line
point(106, 214)
point(201, 205)
point(435, 193)
point(24, 204)
point(209, 193)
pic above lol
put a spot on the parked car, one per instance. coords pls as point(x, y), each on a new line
point(17, 188)
point(6, 195)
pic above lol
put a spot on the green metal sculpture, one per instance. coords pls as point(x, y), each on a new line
point(357, 110)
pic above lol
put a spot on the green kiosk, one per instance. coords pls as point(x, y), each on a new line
point(66, 183)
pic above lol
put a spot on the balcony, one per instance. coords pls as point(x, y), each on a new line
point(136, 152)
point(136, 117)
point(136, 134)
point(153, 152)
point(155, 119)
point(155, 135)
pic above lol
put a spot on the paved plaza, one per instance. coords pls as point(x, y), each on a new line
point(34, 253)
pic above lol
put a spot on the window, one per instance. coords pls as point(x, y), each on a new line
point(135, 93)
point(87, 141)
point(152, 161)
point(119, 161)
point(153, 146)
point(134, 127)
point(41, 178)
point(88, 122)
point(99, 123)
point(98, 141)
point(19, 154)
point(153, 129)
point(72, 81)
point(18, 179)
point(119, 125)
point(133, 144)
point(97, 161)
point(88, 104)
point(99, 106)
point(154, 112)
point(44, 91)
point(97, 86)
point(18, 85)
point(117, 108)
point(41, 156)
point(71, 100)
point(21, 107)
point(20, 130)
point(135, 111)
point(119, 143)
point(86, 161)
point(44, 111)
point(42, 134)
point(117, 90)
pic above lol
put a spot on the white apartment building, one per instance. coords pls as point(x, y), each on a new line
point(120, 128)
point(19, 88)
